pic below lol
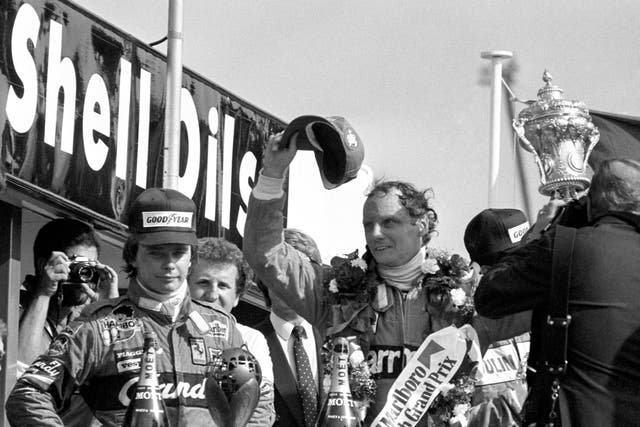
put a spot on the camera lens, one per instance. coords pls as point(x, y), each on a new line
point(85, 273)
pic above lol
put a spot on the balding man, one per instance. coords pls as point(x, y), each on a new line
point(601, 386)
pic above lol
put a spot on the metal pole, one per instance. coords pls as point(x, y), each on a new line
point(496, 57)
point(171, 168)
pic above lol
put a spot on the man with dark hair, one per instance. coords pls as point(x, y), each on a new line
point(602, 380)
point(56, 294)
point(101, 353)
point(278, 329)
point(221, 275)
point(398, 223)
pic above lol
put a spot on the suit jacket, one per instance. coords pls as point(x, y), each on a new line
point(601, 384)
point(287, 401)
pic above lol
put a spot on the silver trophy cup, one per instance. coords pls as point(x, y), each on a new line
point(561, 136)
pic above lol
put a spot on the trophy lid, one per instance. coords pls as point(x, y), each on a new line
point(551, 102)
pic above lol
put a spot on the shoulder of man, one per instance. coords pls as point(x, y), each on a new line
point(217, 319)
point(103, 308)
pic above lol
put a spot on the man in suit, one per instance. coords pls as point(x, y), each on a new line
point(602, 378)
point(278, 330)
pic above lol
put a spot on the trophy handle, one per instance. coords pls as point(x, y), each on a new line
point(593, 140)
point(518, 127)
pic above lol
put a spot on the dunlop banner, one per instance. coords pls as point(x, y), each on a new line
point(82, 115)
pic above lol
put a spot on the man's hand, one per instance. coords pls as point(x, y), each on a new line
point(107, 284)
point(277, 158)
point(546, 215)
point(55, 270)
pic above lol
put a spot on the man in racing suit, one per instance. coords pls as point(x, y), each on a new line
point(100, 353)
point(397, 224)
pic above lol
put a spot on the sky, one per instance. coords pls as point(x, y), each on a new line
point(407, 76)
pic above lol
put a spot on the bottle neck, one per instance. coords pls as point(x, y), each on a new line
point(148, 371)
point(340, 376)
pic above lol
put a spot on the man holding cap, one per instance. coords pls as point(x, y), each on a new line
point(398, 224)
point(101, 353)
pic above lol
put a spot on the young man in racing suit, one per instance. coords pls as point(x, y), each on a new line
point(101, 352)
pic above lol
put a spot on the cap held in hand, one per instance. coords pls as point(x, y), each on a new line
point(338, 148)
point(161, 216)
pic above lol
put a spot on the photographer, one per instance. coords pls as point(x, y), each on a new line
point(57, 294)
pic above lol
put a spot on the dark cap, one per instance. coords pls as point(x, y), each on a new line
point(493, 231)
point(161, 215)
point(338, 148)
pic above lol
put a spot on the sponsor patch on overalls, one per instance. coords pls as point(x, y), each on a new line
point(128, 359)
point(219, 330)
point(119, 326)
point(198, 351)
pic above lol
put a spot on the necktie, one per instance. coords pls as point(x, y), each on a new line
point(306, 384)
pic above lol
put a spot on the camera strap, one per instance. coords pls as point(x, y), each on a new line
point(554, 337)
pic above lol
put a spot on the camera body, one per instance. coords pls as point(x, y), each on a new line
point(82, 270)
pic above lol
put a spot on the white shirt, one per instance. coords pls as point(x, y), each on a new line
point(283, 330)
point(257, 345)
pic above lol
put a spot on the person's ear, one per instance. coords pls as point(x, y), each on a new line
point(423, 225)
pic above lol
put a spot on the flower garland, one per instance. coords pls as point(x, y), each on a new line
point(350, 287)
point(450, 283)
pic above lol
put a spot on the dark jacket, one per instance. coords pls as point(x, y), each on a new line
point(602, 383)
point(286, 398)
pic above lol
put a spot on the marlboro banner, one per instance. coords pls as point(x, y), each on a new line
point(433, 364)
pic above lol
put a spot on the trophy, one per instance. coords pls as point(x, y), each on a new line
point(561, 136)
point(232, 389)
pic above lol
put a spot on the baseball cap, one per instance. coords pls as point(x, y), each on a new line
point(338, 149)
point(493, 231)
point(161, 215)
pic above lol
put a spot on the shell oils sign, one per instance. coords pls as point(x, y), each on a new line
point(82, 115)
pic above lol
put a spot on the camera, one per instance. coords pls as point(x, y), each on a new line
point(82, 270)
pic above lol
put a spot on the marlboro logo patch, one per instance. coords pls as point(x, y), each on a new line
point(219, 330)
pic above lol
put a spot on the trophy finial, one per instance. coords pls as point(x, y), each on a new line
point(547, 77)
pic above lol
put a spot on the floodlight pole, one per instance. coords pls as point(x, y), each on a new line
point(171, 165)
point(496, 57)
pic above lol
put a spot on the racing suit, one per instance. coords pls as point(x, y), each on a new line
point(100, 353)
point(402, 324)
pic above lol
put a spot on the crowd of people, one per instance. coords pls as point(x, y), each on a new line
point(80, 343)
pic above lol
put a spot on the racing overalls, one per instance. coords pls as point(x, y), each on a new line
point(100, 353)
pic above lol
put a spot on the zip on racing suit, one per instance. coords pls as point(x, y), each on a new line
point(101, 354)
point(402, 324)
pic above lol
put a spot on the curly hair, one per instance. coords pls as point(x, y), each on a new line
point(416, 202)
point(220, 250)
point(616, 187)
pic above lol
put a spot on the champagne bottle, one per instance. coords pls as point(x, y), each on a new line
point(147, 409)
point(338, 409)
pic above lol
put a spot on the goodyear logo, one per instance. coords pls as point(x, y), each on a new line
point(516, 233)
point(167, 219)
